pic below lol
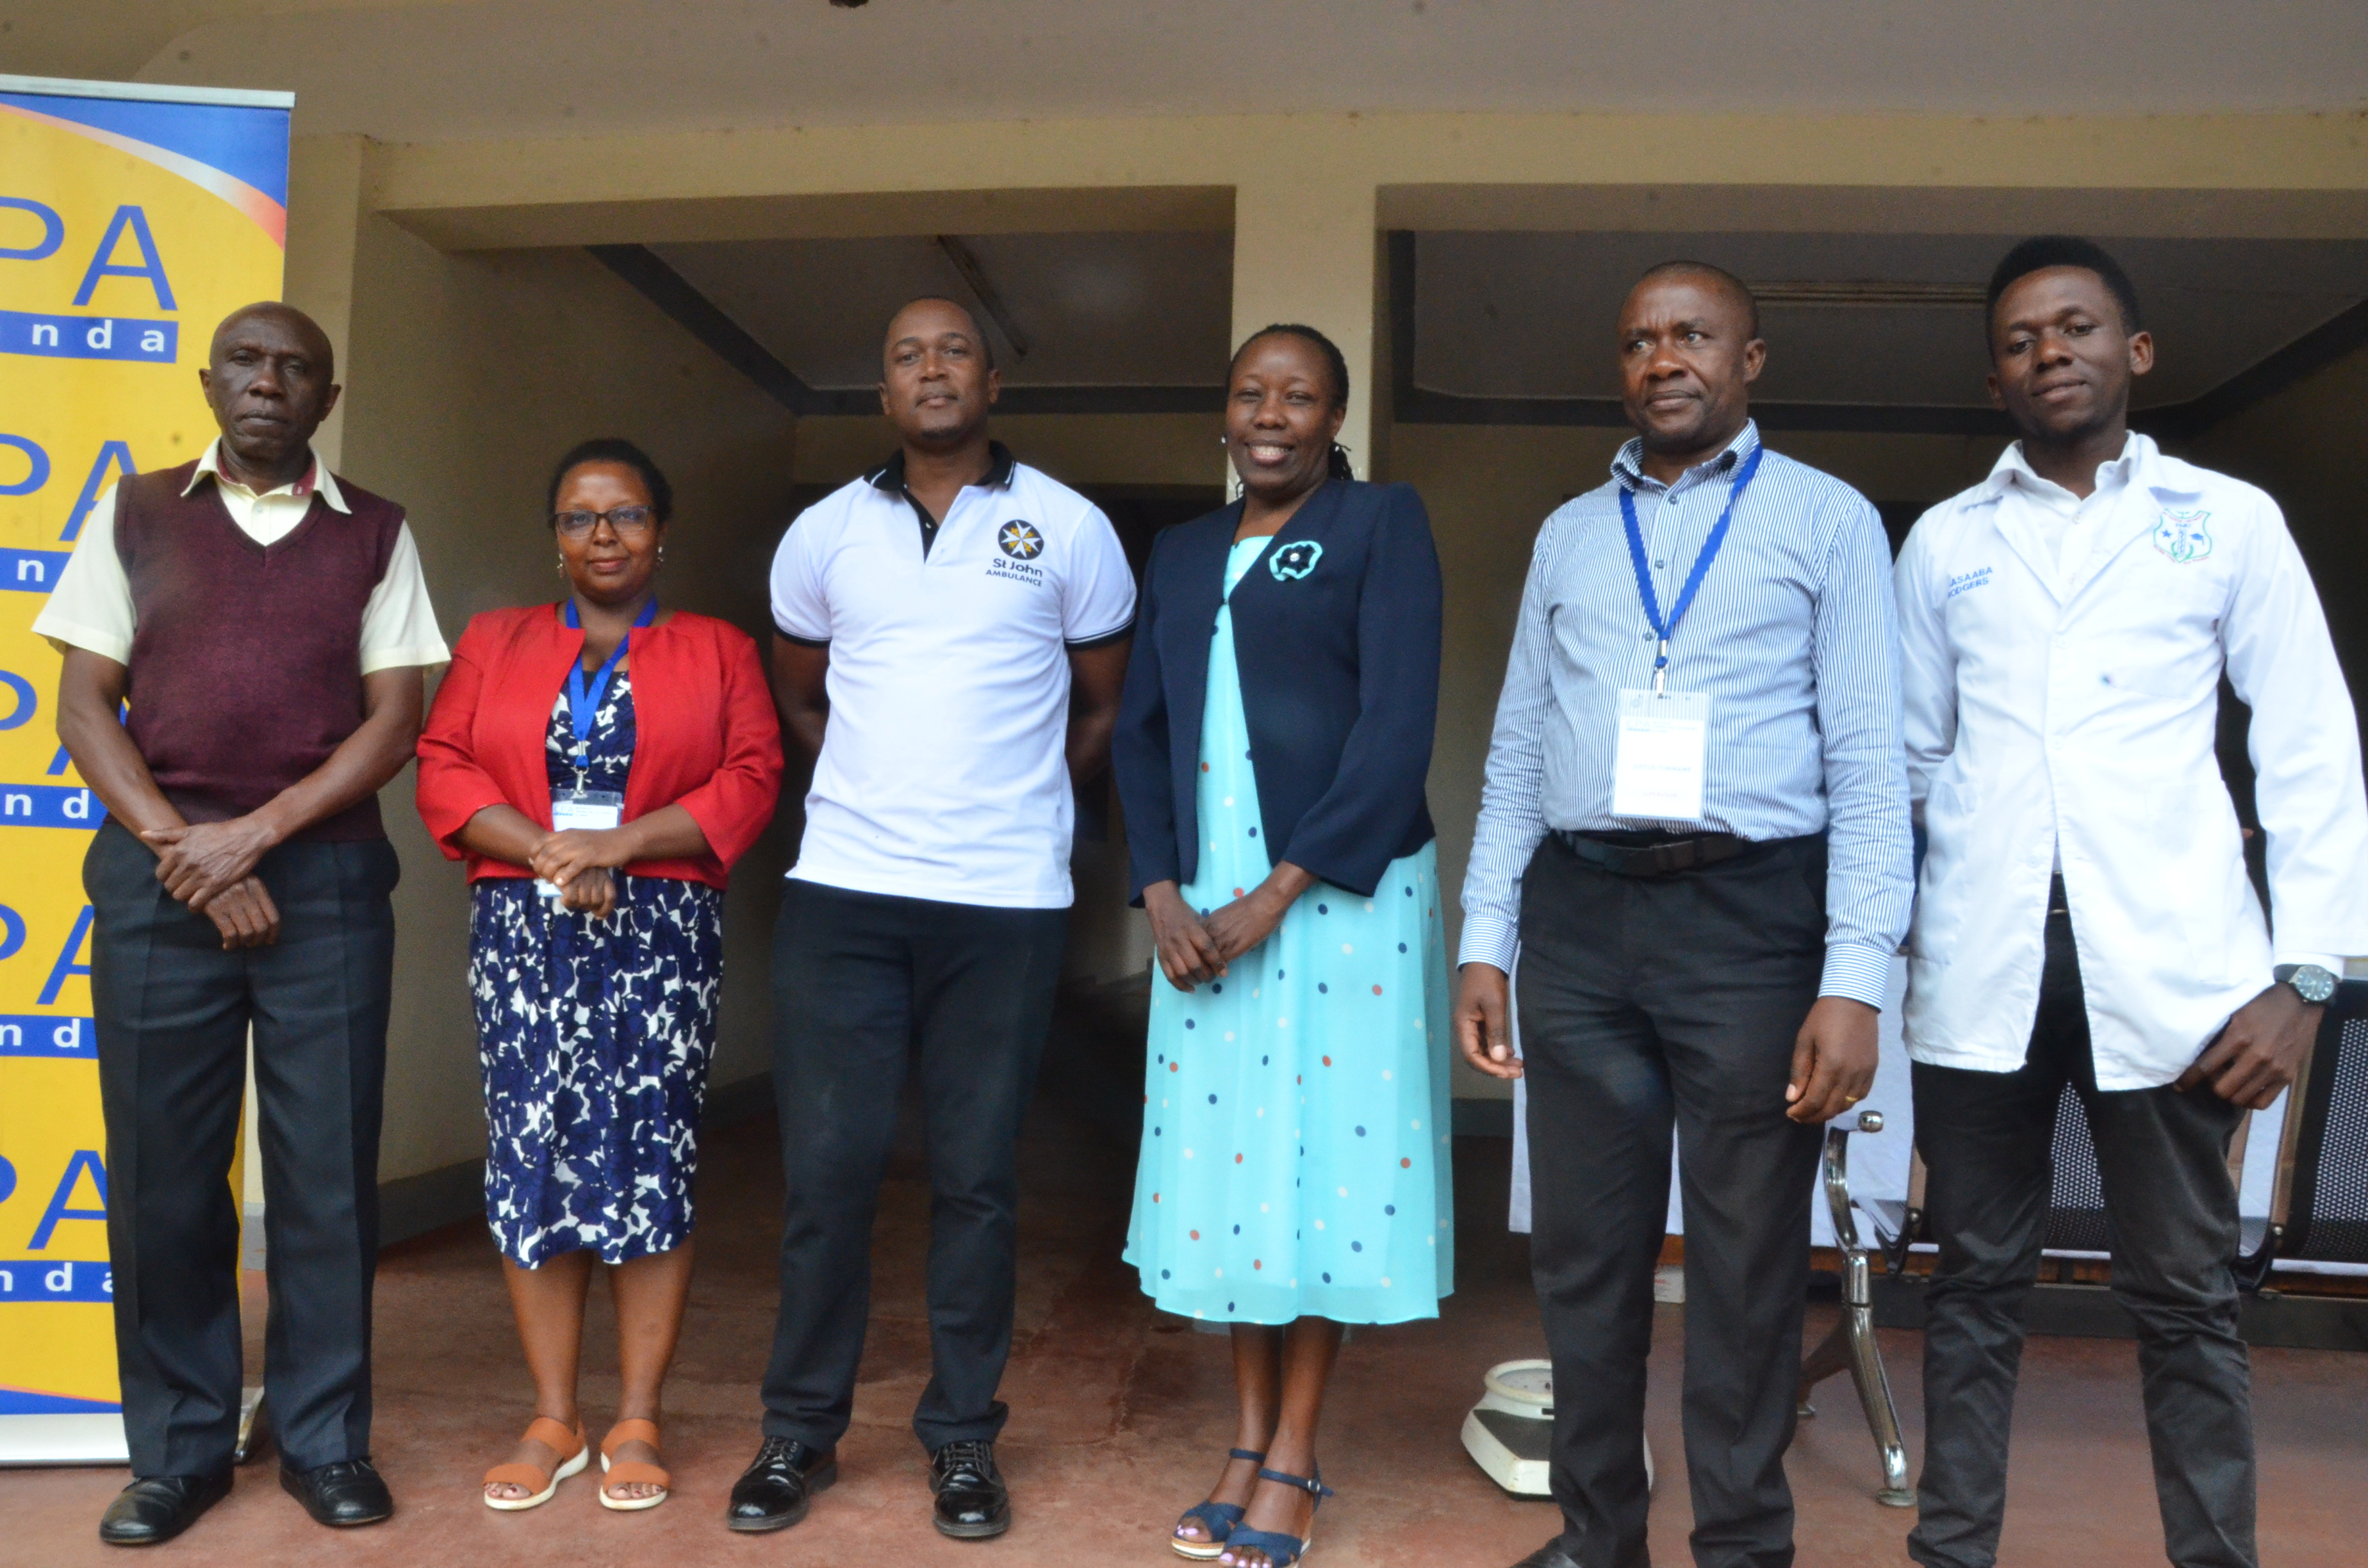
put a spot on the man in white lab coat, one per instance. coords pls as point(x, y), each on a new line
point(2084, 912)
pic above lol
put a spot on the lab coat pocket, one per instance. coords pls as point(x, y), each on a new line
point(1942, 887)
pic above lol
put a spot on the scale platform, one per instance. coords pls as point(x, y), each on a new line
point(1509, 1434)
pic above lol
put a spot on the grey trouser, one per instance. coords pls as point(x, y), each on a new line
point(172, 1014)
point(1649, 1003)
point(2163, 1156)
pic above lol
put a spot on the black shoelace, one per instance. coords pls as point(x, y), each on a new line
point(970, 1455)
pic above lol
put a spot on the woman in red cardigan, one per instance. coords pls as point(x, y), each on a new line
point(599, 762)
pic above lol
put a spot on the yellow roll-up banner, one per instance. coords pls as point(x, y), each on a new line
point(133, 218)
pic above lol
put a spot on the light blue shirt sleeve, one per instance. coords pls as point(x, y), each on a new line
point(1870, 884)
point(1512, 820)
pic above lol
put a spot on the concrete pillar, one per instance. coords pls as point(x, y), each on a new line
point(325, 214)
point(1305, 250)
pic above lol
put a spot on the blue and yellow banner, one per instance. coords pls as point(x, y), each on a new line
point(133, 218)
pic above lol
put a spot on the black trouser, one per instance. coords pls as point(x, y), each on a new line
point(2163, 1155)
point(171, 1014)
point(1646, 1002)
point(860, 981)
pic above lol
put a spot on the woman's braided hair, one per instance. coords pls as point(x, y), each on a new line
point(1339, 466)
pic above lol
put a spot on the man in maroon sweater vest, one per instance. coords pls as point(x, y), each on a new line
point(266, 624)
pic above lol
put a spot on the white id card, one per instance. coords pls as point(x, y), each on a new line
point(589, 809)
point(1657, 771)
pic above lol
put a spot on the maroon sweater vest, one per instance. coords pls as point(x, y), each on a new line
point(245, 669)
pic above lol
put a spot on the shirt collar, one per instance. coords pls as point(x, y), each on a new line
point(890, 476)
point(1628, 466)
point(2013, 471)
point(316, 477)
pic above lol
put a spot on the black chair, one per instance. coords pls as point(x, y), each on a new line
point(2318, 1209)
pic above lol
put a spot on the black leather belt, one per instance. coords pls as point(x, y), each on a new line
point(1648, 855)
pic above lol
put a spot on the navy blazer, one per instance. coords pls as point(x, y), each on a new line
point(1336, 634)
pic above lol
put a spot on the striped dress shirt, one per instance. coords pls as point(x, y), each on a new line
point(1793, 636)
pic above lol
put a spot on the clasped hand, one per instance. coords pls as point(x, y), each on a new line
point(1194, 950)
point(210, 866)
point(578, 861)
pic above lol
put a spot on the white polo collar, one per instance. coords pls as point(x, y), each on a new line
point(316, 477)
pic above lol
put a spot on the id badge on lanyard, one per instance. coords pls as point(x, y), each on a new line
point(593, 810)
point(1658, 767)
point(1657, 771)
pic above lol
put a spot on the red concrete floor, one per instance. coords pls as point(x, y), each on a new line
point(1120, 1418)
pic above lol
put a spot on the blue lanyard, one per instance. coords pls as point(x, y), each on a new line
point(1664, 629)
point(582, 699)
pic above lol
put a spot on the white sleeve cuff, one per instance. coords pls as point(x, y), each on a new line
point(1860, 972)
point(1490, 940)
point(2332, 963)
point(405, 658)
point(62, 634)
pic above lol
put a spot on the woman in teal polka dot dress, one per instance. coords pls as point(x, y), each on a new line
point(1272, 755)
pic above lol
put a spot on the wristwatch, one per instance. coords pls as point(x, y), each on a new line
point(2313, 984)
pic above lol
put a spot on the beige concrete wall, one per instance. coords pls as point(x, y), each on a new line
point(469, 375)
point(580, 190)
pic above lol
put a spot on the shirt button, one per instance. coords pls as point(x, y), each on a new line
point(1661, 565)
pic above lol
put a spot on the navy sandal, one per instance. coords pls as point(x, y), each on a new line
point(1282, 1550)
point(1217, 1518)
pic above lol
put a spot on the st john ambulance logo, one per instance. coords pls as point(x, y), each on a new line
point(2182, 536)
point(1021, 540)
point(1291, 561)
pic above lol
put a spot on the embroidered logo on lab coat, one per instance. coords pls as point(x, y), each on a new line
point(2182, 537)
point(1292, 561)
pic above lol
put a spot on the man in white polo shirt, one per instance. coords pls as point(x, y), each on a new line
point(952, 637)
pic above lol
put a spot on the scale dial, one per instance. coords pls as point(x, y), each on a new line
point(1525, 1384)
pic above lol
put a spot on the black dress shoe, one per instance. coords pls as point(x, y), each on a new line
point(158, 1507)
point(973, 1502)
point(774, 1491)
point(1550, 1556)
point(345, 1494)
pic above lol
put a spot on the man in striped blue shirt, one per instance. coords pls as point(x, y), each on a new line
point(1705, 889)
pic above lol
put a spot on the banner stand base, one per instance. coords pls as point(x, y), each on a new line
point(254, 1426)
point(63, 1440)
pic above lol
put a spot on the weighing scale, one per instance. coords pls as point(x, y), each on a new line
point(1510, 1433)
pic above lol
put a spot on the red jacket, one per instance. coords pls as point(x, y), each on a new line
point(706, 737)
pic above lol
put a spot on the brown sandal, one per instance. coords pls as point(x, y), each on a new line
point(631, 1472)
point(574, 1453)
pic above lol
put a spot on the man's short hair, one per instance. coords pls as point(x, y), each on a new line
point(283, 312)
point(2042, 251)
point(1720, 277)
point(977, 327)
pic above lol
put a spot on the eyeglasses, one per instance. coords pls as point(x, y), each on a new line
point(622, 519)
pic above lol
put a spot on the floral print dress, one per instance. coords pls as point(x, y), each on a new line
point(594, 1037)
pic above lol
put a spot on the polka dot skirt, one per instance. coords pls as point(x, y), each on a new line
point(1295, 1116)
